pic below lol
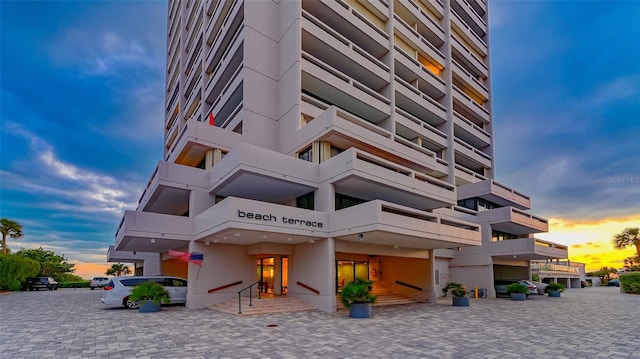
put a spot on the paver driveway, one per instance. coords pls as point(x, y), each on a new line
point(72, 323)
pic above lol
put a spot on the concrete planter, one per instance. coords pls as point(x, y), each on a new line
point(554, 293)
point(360, 310)
point(460, 301)
point(149, 306)
point(519, 296)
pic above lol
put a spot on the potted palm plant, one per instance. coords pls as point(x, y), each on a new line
point(357, 297)
point(150, 295)
point(517, 291)
point(554, 289)
point(458, 293)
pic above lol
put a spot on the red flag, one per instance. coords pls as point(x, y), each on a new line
point(195, 258)
point(212, 122)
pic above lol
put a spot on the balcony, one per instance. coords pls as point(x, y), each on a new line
point(410, 36)
point(514, 221)
point(168, 189)
point(327, 45)
point(495, 192)
point(469, 132)
point(470, 81)
point(471, 154)
point(470, 61)
point(464, 103)
point(338, 88)
point(390, 224)
point(280, 177)
point(470, 16)
point(346, 130)
point(152, 232)
point(413, 12)
point(412, 70)
point(419, 132)
point(526, 249)
point(417, 103)
point(362, 175)
point(555, 270)
point(470, 36)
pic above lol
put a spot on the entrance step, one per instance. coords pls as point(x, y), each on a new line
point(277, 304)
point(385, 298)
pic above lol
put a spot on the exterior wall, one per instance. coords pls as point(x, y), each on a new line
point(313, 264)
point(174, 267)
point(223, 264)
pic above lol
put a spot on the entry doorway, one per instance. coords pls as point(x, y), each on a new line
point(272, 274)
point(347, 271)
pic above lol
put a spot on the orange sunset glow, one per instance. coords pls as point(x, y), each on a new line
point(591, 242)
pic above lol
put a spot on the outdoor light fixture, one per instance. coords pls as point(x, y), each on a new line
point(237, 234)
point(289, 239)
point(153, 240)
point(360, 236)
point(311, 241)
point(459, 249)
point(395, 246)
point(206, 243)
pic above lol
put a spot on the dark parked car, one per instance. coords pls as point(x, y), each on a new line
point(613, 283)
point(501, 286)
point(38, 283)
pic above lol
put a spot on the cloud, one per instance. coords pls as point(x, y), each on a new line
point(70, 189)
point(576, 246)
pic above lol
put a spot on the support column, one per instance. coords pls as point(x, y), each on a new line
point(432, 296)
point(277, 274)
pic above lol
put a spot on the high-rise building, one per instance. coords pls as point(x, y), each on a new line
point(311, 142)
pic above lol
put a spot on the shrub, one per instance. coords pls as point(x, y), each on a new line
point(554, 287)
point(150, 291)
point(630, 282)
point(14, 271)
point(456, 289)
point(358, 291)
point(74, 284)
point(517, 288)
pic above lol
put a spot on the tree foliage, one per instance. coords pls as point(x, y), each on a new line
point(604, 273)
point(11, 229)
point(628, 237)
point(51, 264)
point(14, 271)
point(118, 270)
point(632, 264)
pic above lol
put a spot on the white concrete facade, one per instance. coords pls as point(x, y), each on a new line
point(323, 132)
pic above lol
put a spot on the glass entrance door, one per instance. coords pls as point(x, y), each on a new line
point(265, 274)
point(347, 271)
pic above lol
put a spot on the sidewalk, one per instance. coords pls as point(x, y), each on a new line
point(72, 323)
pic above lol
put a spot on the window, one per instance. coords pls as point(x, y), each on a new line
point(305, 201)
point(501, 236)
point(344, 201)
point(306, 154)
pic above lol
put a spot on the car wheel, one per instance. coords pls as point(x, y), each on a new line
point(131, 304)
point(92, 288)
point(50, 288)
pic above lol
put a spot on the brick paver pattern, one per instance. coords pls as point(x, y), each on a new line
point(72, 323)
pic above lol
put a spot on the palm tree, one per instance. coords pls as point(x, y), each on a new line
point(9, 228)
point(118, 270)
point(626, 238)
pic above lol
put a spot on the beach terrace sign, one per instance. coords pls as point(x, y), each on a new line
point(269, 217)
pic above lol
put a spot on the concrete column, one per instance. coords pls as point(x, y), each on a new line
point(277, 274)
point(151, 264)
point(432, 295)
point(208, 159)
point(331, 280)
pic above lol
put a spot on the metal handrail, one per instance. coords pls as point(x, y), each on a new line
point(408, 285)
point(240, 296)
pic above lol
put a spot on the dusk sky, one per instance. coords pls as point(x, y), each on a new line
point(81, 111)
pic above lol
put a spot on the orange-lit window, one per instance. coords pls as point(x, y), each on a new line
point(430, 65)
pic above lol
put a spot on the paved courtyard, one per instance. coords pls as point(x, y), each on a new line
point(72, 323)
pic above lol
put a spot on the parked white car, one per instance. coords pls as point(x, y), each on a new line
point(98, 282)
point(117, 291)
